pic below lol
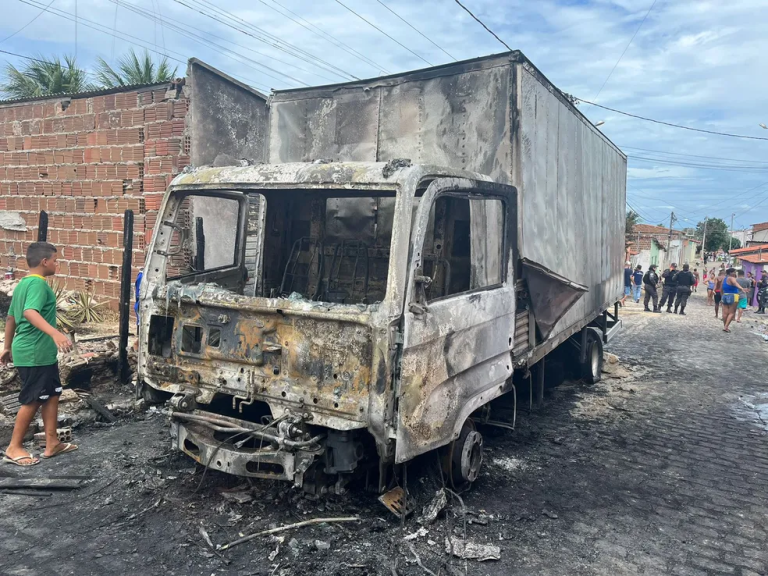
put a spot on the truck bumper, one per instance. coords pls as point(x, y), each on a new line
point(201, 444)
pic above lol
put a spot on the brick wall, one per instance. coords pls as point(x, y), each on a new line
point(85, 162)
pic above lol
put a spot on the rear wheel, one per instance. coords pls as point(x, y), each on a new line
point(592, 367)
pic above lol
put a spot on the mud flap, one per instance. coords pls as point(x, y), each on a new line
point(551, 295)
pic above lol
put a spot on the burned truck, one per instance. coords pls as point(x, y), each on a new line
point(411, 247)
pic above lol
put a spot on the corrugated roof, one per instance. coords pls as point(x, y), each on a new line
point(86, 94)
point(650, 229)
point(755, 258)
point(748, 249)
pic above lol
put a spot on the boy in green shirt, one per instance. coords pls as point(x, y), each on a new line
point(31, 343)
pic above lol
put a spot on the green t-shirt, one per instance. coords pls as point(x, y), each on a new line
point(32, 347)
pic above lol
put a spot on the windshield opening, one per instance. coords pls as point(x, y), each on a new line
point(329, 246)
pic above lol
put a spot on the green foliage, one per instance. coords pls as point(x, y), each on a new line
point(44, 76)
point(718, 236)
point(133, 69)
point(632, 219)
point(62, 309)
point(85, 309)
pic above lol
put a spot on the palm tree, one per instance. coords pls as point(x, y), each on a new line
point(44, 76)
point(132, 69)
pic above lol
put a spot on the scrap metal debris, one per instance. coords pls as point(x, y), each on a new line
point(469, 550)
point(432, 510)
point(395, 501)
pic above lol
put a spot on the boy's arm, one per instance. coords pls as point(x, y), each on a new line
point(10, 330)
point(35, 318)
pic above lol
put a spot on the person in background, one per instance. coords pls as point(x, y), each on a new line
point(651, 281)
point(752, 286)
point(710, 280)
point(637, 282)
point(685, 282)
point(670, 287)
point(719, 290)
point(746, 285)
point(627, 282)
point(695, 279)
point(762, 293)
point(730, 298)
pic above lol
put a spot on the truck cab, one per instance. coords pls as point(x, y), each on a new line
point(311, 320)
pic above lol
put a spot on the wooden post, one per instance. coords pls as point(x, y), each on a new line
point(42, 227)
point(124, 371)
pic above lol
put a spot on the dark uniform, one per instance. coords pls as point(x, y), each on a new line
point(651, 280)
point(670, 288)
point(685, 281)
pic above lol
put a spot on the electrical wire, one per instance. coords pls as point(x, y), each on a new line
point(323, 34)
point(744, 160)
point(625, 49)
point(217, 47)
point(727, 168)
point(418, 31)
point(382, 31)
point(491, 32)
point(182, 59)
point(28, 23)
point(670, 123)
point(264, 37)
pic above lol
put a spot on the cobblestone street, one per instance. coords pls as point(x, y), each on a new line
point(661, 470)
point(660, 473)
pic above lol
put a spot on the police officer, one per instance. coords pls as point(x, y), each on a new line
point(670, 287)
point(685, 281)
point(651, 281)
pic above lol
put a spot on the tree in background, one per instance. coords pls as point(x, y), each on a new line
point(632, 219)
point(718, 237)
point(132, 69)
point(43, 77)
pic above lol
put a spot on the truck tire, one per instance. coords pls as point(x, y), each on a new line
point(592, 368)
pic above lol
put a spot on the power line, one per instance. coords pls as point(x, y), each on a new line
point(694, 155)
point(121, 35)
point(265, 37)
point(323, 34)
point(417, 30)
point(23, 56)
point(28, 23)
point(669, 123)
point(491, 32)
point(382, 31)
point(217, 47)
point(700, 166)
point(625, 49)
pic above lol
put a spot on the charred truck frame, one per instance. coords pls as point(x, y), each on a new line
point(337, 309)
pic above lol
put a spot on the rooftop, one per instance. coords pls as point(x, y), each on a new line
point(749, 249)
point(760, 226)
point(755, 258)
point(85, 94)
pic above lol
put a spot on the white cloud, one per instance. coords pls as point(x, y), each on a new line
point(699, 63)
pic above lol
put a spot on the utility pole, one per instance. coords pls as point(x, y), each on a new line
point(730, 237)
point(704, 239)
point(669, 238)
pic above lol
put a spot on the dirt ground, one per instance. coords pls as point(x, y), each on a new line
point(659, 469)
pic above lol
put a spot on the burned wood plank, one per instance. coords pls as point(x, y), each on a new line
point(40, 483)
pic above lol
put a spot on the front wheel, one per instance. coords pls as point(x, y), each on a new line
point(592, 368)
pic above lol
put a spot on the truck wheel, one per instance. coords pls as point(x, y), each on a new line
point(464, 457)
point(592, 368)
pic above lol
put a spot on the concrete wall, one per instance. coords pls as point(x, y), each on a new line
point(226, 118)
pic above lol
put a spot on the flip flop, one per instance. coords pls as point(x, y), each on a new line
point(68, 447)
point(15, 461)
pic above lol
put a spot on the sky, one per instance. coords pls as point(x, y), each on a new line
point(697, 63)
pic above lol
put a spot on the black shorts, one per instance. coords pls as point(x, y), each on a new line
point(39, 383)
point(718, 297)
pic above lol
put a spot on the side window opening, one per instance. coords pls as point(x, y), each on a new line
point(204, 236)
point(326, 246)
point(463, 245)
